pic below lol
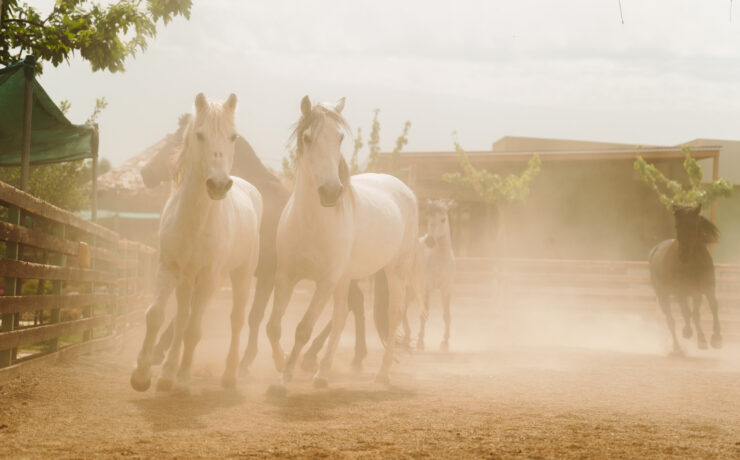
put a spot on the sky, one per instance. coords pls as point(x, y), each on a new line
point(483, 68)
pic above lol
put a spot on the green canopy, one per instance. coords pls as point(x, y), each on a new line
point(53, 138)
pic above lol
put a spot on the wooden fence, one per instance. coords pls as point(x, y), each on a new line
point(623, 284)
point(67, 283)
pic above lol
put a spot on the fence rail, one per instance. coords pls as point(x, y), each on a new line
point(599, 282)
point(66, 282)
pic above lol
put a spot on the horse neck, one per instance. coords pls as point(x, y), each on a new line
point(194, 200)
point(249, 167)
point(307, 205)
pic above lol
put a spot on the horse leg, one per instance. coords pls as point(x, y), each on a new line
point(665, 305)
point(356, 304)
point(141, 376)
point(183, 293)
point(284, 286)
point(338, 321)
point(309, 363)
point(395, 309)
point(686, 312)
point(305, 327)
point(164, 342)
point(405, 340)
point(240, 280)
point(204, 287)
point(445, 291)
point(714, 306)
point(423, 320)
point(262, 293)
point(701, 341)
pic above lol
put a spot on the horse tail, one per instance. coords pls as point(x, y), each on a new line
point(381, 306)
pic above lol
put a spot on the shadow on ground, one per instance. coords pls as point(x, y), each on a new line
point(167, 412)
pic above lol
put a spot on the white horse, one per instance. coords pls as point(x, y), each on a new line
point(209, 227)
point(334, 230)
point(436, 265)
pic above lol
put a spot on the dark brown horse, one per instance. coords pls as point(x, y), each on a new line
point(274, 196)
point(683, 268)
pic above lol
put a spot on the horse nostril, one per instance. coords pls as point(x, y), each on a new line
point(210, 183)
point(227, 185)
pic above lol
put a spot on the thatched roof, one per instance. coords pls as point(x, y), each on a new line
point(122, 188)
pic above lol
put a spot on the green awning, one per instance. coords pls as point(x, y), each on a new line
point(53, 138)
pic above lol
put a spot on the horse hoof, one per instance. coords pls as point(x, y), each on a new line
point(164, 385)
point(228, 382)
point(309, 364)
point(357, 366)
point(716, 341)
point(320, 382)
point(444, 346)
point(382, 379)
point(702, 343)
point(276, 391)
point(687, 332)
point(286, 377)
point(141, 381)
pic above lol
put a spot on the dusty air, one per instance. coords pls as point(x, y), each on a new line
point(369, 229)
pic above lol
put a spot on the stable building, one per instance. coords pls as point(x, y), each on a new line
point(588, 202)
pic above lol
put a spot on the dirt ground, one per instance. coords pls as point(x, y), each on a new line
point(535, 383)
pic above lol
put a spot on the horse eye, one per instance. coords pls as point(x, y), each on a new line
point(306, 138)
point(200, 136)
point(233, 138)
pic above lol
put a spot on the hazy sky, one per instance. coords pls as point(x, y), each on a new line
point(486, 69)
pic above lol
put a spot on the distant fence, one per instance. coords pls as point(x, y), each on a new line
point(66, 282)
point(596, 282)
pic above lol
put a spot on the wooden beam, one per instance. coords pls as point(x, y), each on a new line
point(29, 270)
point(28, 303)
point(27, 120)
point(28, 335)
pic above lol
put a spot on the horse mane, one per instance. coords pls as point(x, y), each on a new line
point(215, 118)
point(708, 232)
point(314, 120)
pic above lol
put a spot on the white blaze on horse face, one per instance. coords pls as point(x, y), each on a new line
point(214, 143)
point(321, 157)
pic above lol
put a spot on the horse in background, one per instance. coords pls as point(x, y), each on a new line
point(335, 229)
point(209, 227)
point(248, 166)
point(683, 268)
point(435, 266)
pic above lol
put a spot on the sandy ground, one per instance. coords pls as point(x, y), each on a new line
point(536, 383)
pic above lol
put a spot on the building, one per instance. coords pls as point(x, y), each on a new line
point(587, 202)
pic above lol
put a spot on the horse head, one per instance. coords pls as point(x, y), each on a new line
point(438, 222)
point(208, 153)
point(319, 134)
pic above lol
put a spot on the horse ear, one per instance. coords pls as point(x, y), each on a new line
point(339, 106)
point(305, 105)
point(230, 103)
point(200, 103)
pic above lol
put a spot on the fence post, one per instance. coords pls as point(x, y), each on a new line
point(11, 287)
point(60, 231)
